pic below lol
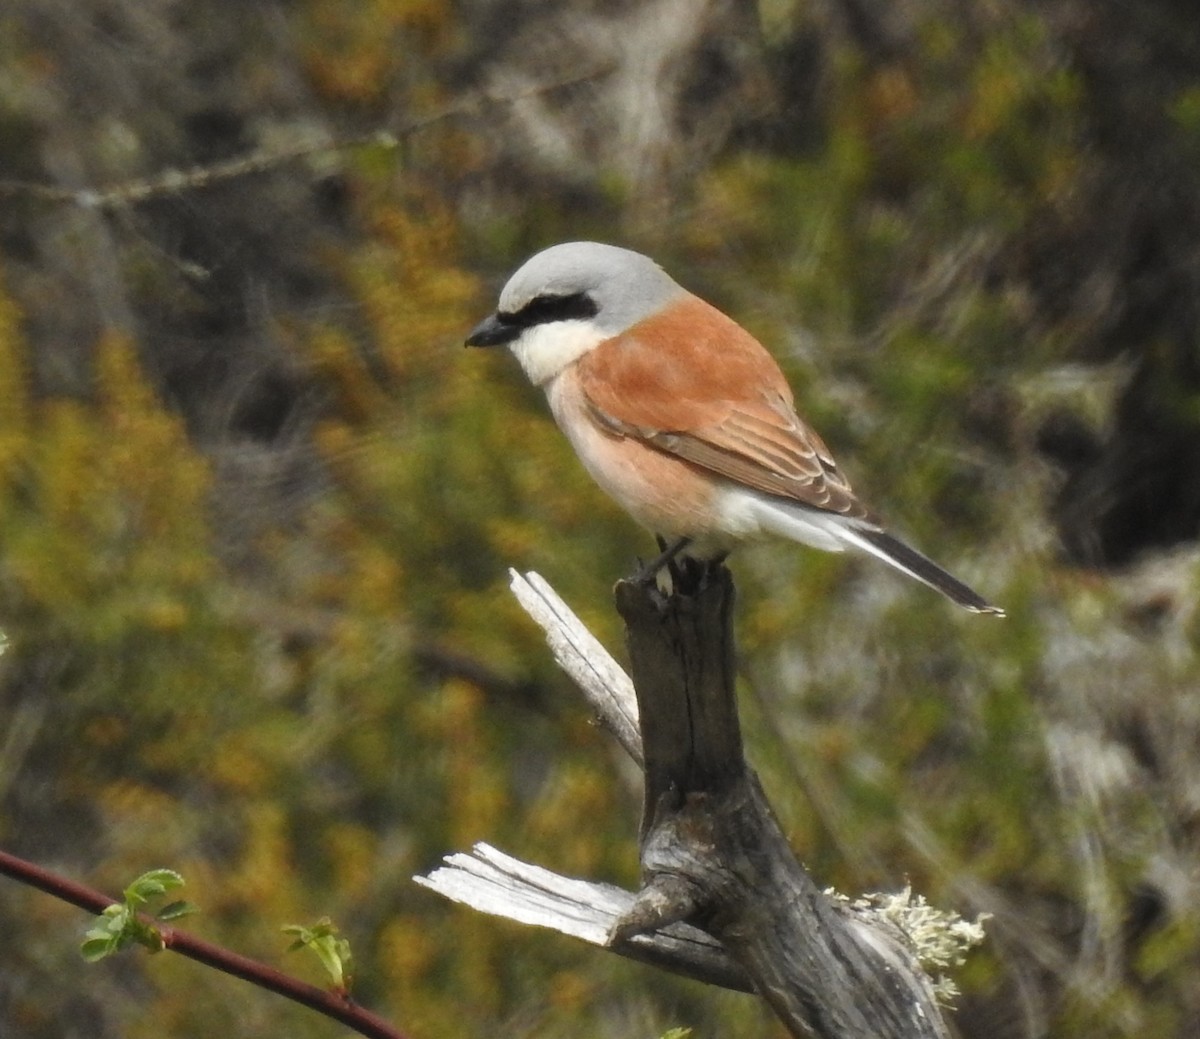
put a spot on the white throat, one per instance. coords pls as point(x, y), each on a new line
point(545, 350)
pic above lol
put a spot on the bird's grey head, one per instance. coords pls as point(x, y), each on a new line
point(567, 299)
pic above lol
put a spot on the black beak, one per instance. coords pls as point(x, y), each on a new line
point(493, 330)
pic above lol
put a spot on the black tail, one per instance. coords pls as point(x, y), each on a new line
point(902, 557)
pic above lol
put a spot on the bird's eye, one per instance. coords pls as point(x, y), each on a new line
point(543, 309)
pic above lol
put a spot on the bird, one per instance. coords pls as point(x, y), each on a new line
point(681, 415)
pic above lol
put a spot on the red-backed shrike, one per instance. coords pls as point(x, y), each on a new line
point(680, 414)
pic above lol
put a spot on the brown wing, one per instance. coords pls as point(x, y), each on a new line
point(694, 384)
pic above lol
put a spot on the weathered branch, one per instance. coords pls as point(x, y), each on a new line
point(492, 882)
point(712, 853)
point(709, 836)
point(578, 652)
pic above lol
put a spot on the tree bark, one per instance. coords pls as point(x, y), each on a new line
point(713, 853)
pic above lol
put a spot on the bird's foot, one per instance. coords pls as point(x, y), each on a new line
point(667, 565)
point(671, 572)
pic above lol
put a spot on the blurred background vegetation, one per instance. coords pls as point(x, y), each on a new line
point(258, 504)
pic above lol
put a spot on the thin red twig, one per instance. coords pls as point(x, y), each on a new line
point(324, 1002)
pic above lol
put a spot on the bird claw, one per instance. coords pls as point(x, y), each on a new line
point(671, 572)
point(648, 573)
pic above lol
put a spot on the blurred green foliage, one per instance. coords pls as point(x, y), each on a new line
point(288, 722)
